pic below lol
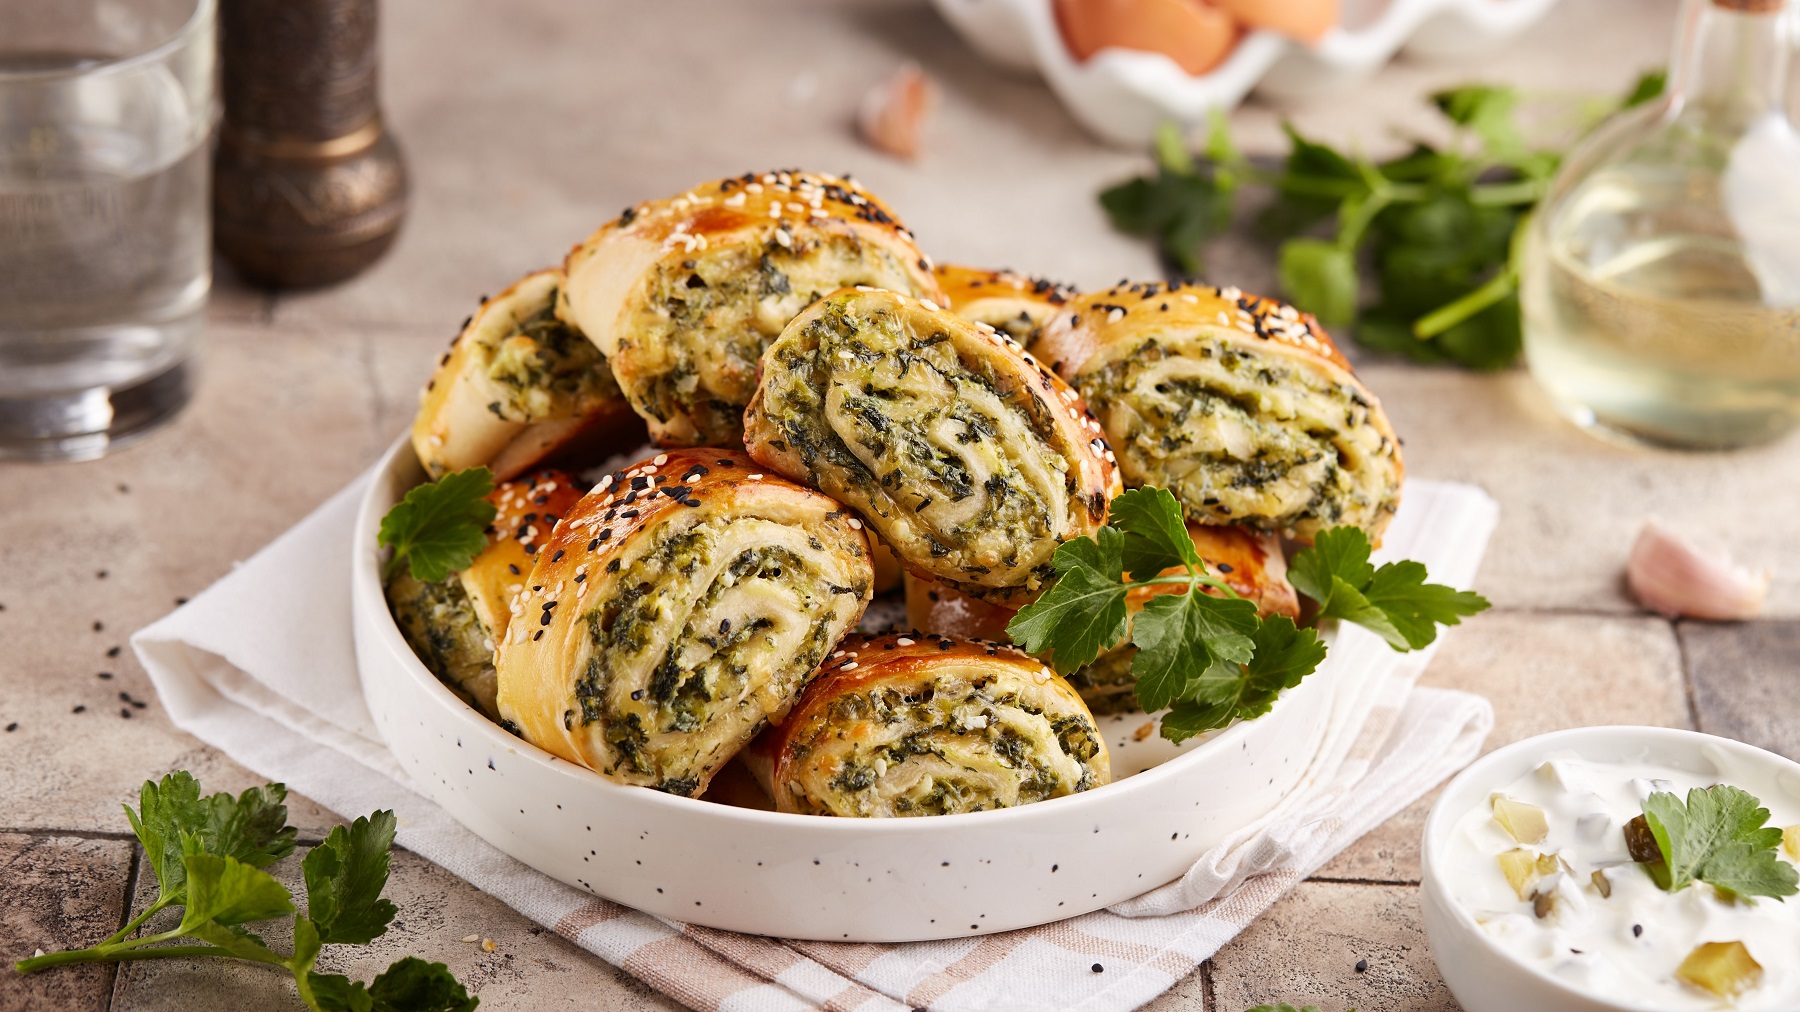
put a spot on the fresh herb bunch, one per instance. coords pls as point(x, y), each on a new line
point(1440, 228)
point(440, 526)
point(1720, 836)
point(1210, 659)
point(208, 854)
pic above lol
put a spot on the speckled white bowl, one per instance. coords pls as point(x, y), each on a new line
point(805, 876)
point(1483, 976)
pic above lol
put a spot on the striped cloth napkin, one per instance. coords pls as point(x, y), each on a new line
point(261, 666)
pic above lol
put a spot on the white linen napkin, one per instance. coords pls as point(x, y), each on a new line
point(261, 666)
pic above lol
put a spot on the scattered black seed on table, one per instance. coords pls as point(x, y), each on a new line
point(1097, 968)
point(124, 488)
point(14, 726)
point(1637, 931)
point(180, 601)
point(99, 625)
point(1362, 966)
point(79, 709)
point(105, 674)
point(100, 575)
point(125, 711)
point(112, 651)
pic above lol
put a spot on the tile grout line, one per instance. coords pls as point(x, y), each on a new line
point(79, 834)
point(1376, 882)
point(1208, 1002)
point(1687, 674)
point(131, 884)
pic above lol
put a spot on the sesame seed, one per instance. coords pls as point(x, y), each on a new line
point(855, 524)
point(756, 477)
point(848, 666)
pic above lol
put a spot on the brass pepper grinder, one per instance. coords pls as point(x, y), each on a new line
point(309, 186)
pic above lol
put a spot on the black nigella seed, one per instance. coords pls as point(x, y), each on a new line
point(112, 652)
point(637, 693)
point(14, 726)
point(558, 556)
point(1097, 968)
point(125, 711)
point(124, 697)
point(1224, 567)
point(1637, 931)
point(99, 625)
point(727, 463)
point(513, 567)
point(537, 636)
point(1362, 966)
point(105, 675)
point(79, 708)
point(100, 575)
point(546, 619)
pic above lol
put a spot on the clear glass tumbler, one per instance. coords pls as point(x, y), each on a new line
point(106, 107)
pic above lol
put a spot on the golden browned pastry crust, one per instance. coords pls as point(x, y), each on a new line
point(1001, 299)
point(970, 459)
point(684, 294)
point(519, 388)
point(1240, 406)
point(909, 724)
point(678, 608)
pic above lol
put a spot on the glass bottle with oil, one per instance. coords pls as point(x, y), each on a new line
point(1661, 275)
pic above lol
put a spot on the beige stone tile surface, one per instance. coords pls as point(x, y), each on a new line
point(1305, 951)
point(60, 892)
point(1542, 672)
point(1743, 677)
point(1571, 505)
point(528, 968)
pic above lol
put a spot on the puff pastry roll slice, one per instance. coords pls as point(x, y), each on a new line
point(518, 388)
point(677, 609)
point(1001, 299)
point(909, 724)
point(1250, 562)
point(969, 458)
point(452, 625)
point(1240, 406)
point(684, 294)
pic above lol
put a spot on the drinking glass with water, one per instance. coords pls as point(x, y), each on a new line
point(106, 107)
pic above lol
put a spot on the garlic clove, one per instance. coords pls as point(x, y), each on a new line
point(1669, 574)
point(892, 116)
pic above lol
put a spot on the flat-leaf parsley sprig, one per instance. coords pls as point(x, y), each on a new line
point(1207, 657)
point(1720, 836)
point(208, 855)
point(440, 526)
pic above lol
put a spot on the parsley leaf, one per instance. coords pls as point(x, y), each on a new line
point(173, 818)
point(207, 854)
point(1083, 613)
point(1185, 639)
point(439, 527)
point(1393, 601)
point(1283, 655)
point(344, 877)
point(1156, 536)
point(1719, 837)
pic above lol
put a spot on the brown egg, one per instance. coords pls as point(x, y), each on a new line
point(1196, 35)
point(1305, 20)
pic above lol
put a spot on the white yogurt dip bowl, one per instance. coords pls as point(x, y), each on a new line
point(1592, 952)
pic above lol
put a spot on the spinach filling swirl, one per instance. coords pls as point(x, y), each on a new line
point(1240, 406)
point(972, 461)
point(678, 609)
point(911, 724)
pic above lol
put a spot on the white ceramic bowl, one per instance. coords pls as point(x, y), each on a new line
point(1122, 95)
point(1483, 976)
point(807, 876)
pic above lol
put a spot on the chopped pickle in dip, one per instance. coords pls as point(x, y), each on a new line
point(1524, 823)
point(1723, 968)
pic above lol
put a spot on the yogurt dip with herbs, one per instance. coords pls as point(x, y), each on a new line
point(1552, 867)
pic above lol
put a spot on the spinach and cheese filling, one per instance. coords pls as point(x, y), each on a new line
point(438, 621)
point(518, 387)
point(962, 453)
point(690, 350)
point(1243, 437)
point(713, 629)
point(1239, 405)
point(677, 610)
point(545, 369)
point(927, 730)
point(1106, 684)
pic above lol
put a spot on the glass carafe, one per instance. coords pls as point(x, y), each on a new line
point(1661, 275)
